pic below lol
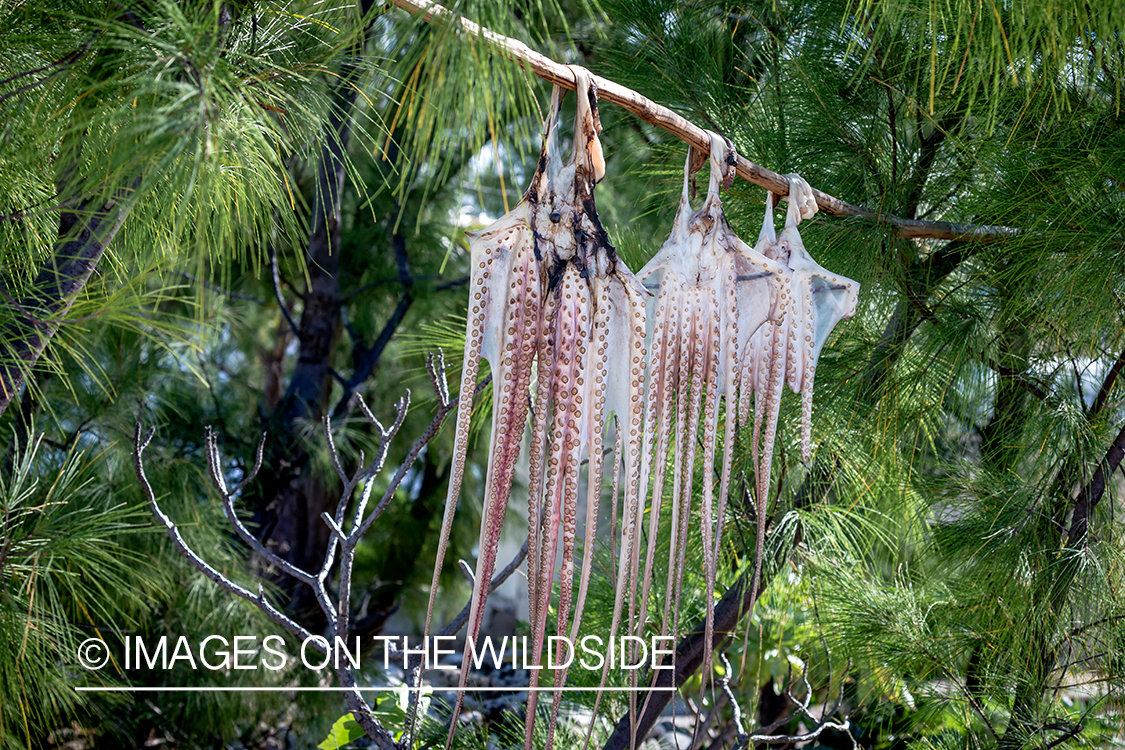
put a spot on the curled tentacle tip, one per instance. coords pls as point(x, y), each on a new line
point(801, 194)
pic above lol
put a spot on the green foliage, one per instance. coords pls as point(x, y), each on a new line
point(958, 405)
point(343, 733)
point(67, 576)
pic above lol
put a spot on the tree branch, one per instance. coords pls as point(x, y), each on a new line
point(1107, 385)
point(83, 237)
point(1093, 491)
point(662, 117)
point(275, 276)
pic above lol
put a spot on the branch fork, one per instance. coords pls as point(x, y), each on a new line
point(347, 530)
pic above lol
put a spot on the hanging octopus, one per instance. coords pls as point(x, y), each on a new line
point(548, 294)
point(714, 293)
point(732, 322)
point(787, 349)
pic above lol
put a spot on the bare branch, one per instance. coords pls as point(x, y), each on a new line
point(468, 571)
point(784, 739)
point(662, 117)
point(275, 275)
point(255, 469)
point(334, 528)
point(376, 465)
point(335, 455)
point(724, 683)
point(258, 599)
point(337, 615)
point(436, 369)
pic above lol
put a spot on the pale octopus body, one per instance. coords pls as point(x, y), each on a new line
point(714, 293)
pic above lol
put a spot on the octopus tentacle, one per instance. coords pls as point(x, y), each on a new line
point(536, 461)
point(706, 510)
point(629, 355)
point(826, 299)
point(663, 385)
point(568, 433)
point(683, 378)
point(615, 495)
point(510, 388)
point(471, 366)
point(699, 342)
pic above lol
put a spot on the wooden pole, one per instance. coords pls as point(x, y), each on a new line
point(687, 131)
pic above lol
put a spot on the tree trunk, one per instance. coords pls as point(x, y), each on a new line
point(290, 501)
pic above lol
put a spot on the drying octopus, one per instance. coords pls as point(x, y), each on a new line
point(562, 324)
point(551, 302)
point(714, 292)
point(730, 322)
point(788, 347)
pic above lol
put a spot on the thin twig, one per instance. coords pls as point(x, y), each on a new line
point(213, 464)
point(220, 290)
point(275, 275)
point(462, 617)
point(445, 283)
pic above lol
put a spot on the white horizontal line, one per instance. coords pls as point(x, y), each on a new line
point(230, 689)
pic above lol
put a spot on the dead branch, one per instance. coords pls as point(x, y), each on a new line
point(746, 739)
point(337, 613)
point(690, 133)
point(820, 724)
point(337, 618)
point(344, 538)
